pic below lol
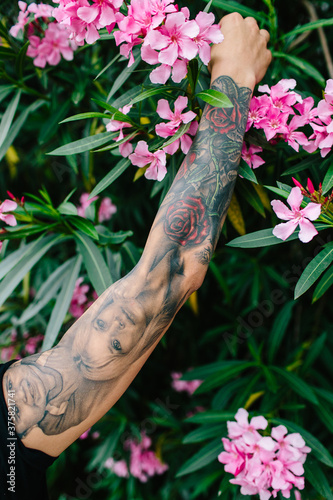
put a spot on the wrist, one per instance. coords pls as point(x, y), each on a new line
point(239, 75)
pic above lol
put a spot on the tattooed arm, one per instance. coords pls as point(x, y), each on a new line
point(63, 391)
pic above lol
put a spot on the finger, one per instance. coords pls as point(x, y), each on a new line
point(265, 34)
point(251, 21)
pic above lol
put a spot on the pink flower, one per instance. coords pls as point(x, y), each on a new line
point(23, 19)
point(174, 39)
point(142, 157)
point(188, 386)
point(306, 109)
point(282, 99)
point(249, 156)
point(125, 148)
point(118, 467)
point(50, 49)
point(79, 298)
point(8, 206)
point(296, 216)
point(41, 10)
point(32, 342)
point(85, 202)
point(106, 210)
point(143, 462)
point(184, 141)
point(85, 434)
point(242, 425)
point(274, 123)
point(209, 33)
point(175, 118)
point(294, 138)
point(262, 465)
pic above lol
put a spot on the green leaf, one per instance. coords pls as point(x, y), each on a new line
point(247, 172)
point(303, 65)
point(325, 414)
point(205, 371)
point(326, 281)
point(7, 53)
point(313, 270)
point(328, 179)
point(202, 458)
point(117, 143)
point(125, 74)
point(279, 329)
point(20, 60)
point(62, 304)
point(205, 432)
point(210, 417)
point(28, 260)
point(8, 116)
point(84, 116)
point(23, 231)
point(97, 269)
point(265, 237)
point(317, 448)
point(151, 92)
point(308, 162)
point(13, 258)
point(309, 26)
point(85, 144)
point(106, 237)
point(222, 376)
point(46, 292)
point(215, 98)
point(314, 351)
point(84, 225)
point(121, 166)
point(297, 384)
point(315, 476)
point(323, 393)
point(5, 90)
point(231, 6)
point(107, 66)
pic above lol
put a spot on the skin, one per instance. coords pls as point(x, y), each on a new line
point(103, 351)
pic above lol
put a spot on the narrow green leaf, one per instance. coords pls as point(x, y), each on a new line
point(313, 270)
point(265, 237)
point(116, 144)
point(308, 162)
point(297, 384)
point(205, 371)
point(5, 90)
point(219, 378)
point(97, 269)
point(151, 92)
point(328, 179)
point(279, 329)
point(85, 144)
point(325, 414)
point(303, 65)
point(215, 98)
point(116, 114)
point(247, 172)
point(84, 116)
point(27, 261)
point(62, 304)
point(8, 116)
point(13, 258)
point(106, 237)
point(315, 476)
point(326, 281)
point(314, 351)
point(203, 457)
point(317, 448)
point(309, 26)
point(7, 53)
point(231, 6)
point(47, 291)
point(15, 232)
point(205, 432)
point(125, 74)
point(121, 166)
point(107, 66)
point(20, 60)
point(84, 225)
point(325, 394)
point(208, 6)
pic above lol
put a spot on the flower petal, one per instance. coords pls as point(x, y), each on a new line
point(307, 232)
point(284, 230)
point(281, 210)
point(311, 211)
point(295, 198)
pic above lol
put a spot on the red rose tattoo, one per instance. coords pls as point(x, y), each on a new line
point(224, 120)
point(186, 221)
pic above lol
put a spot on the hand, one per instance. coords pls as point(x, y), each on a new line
point(243, 54)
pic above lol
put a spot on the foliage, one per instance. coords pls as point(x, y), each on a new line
point(257, 332)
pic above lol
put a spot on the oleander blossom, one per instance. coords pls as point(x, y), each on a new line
point(188, 386)
point(296, 216)
point(155, 162)
point(144, 462)
point(105, 211)
point(265, 465)
point(5, 207)
point(79, 299)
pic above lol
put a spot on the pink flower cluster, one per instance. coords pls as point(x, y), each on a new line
point(296, 216)
point(263, 465)
point(8, 218)
point(281, 113)
point(143, 462)
point(79, 299)
point(125, 148)
point(105, 211)
point(188, 386)
point(54, 42)
point(322, 136)
point(31, 346)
